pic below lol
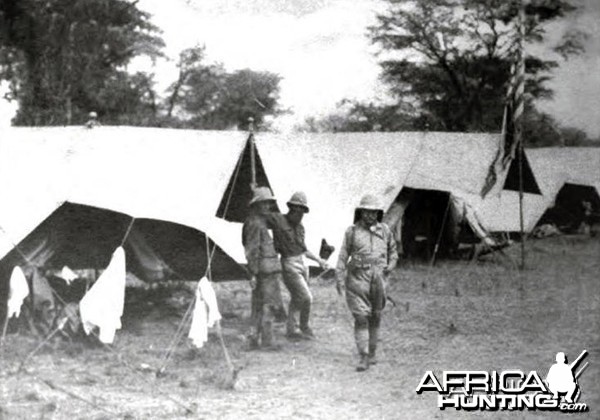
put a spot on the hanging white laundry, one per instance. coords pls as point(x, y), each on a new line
point(67, 275)
point(210, 299)
point(102, 305)
point(206, 313)
point(19, 290)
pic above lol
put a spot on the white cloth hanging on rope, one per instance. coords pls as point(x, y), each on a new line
point(206, 313)
point(102, 305)
point(67, 275)
point(19, 290)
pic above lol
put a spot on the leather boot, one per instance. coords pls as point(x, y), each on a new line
point(373, 338)
point(363, 364)
point(372, 354)
point(361, 336)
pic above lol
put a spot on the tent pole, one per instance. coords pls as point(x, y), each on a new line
point(519, 124)
point(252, 152)
point(521, 222)
point(127, 231)
point(209, 256)
point(441, 232)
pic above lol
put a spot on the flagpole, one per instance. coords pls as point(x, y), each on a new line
point(519, 110)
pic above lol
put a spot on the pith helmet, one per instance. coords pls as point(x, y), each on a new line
point(299, 199)
point(262, 194)
point(369, 202)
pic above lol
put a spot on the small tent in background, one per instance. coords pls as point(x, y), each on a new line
point(566, 176)
point(570, 178)
point(451, 171)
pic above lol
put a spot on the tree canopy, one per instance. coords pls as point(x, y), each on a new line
point(66, 58)
point(450, 59)
point(63, 58)
point(209, 97)
point(446, 64)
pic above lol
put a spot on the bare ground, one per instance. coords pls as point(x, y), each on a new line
point(457, 315)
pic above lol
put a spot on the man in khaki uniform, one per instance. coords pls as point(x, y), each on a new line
point(264, 266)
point(368, 254)
point(289, 235)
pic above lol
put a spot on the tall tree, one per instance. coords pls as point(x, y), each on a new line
point(354, 116)
point(451, 58)
point(206, 96)
point(59, 55)
point(190, 62)
point(244, 94)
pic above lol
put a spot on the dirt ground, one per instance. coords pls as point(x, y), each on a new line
point(482, 315)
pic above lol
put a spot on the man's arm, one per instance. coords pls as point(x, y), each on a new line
point(392, 250)
point(307, 253)
point(340, 270)
point(251, 241)
point(316, 259)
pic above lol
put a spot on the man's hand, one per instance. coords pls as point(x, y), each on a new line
point(324, 264)
point(253, 282)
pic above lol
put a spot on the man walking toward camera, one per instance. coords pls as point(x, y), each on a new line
point(367, 256)
point(289, 234)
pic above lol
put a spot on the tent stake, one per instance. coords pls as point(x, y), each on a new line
point(441, 232)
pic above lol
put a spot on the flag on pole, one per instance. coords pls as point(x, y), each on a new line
point(206, 313)
point(514, 105)
point(18, 291)
point(102, 305)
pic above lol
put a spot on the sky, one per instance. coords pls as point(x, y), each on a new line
point(320, 49)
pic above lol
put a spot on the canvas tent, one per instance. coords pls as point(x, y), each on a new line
point(336, 169)
point(459, 163)
point(554, 168)
point(569, 176)
point(58, 182)
point(201, 180)
point(500, 210)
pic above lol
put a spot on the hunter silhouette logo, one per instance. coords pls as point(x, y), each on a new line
point(510, 389)
point(562, 379)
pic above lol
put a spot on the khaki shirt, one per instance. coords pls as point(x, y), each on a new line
point(289, 239)
point(259, 247)
point(374, 246)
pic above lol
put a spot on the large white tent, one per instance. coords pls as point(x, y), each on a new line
point(188, 177)
point(177, 176)
point(336, 169)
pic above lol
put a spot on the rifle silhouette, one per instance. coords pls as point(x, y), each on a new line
point(573, 365)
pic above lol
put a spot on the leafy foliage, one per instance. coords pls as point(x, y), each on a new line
point(209, 97)
point(63, 58)
point(451, 58)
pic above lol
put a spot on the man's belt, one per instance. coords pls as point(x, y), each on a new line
point(360, 264)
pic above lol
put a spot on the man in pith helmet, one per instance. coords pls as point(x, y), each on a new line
point(264, 266)
point(289, 234)
point(368, 254)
